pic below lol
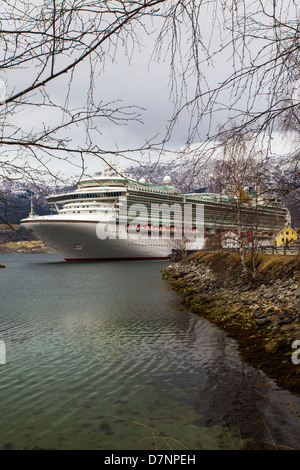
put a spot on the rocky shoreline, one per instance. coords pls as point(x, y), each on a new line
point(262, 315)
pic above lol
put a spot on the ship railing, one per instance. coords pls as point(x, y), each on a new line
point(272, 250)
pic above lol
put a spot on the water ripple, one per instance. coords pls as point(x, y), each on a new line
point(92, 350)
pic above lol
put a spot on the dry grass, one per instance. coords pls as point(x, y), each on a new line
point(268, 266)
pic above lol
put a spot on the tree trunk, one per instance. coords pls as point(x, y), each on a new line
point(241, 245)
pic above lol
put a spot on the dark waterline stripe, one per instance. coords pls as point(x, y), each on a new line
point(142, 258)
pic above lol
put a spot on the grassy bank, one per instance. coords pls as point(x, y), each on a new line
point(15, 239)
point(262, 315)
point(25, 246)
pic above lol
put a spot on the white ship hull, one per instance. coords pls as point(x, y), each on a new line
point(154, 220)
point(78, 241)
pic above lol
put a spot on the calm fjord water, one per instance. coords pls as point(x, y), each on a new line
point(103, 356)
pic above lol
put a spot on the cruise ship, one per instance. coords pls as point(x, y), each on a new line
point(114, 217)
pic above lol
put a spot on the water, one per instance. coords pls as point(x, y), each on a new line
point(104, 356)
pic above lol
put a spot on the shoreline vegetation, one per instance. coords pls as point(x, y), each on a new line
point(18, 243)
point(263, 316)
point(24, 246)
point(15, 239)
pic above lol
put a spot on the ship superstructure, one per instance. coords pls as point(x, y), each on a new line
point(112, 216)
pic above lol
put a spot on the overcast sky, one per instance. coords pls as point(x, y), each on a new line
point(143, 83)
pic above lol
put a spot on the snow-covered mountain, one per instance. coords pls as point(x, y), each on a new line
point(190, 170)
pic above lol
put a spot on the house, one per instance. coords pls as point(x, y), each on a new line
point(229, 239)
point(285, 236)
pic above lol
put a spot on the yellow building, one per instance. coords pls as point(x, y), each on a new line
point(285, 236)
